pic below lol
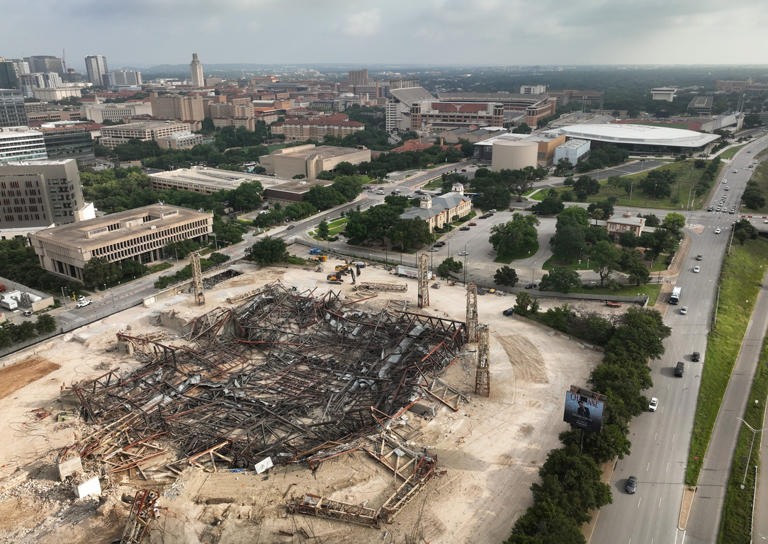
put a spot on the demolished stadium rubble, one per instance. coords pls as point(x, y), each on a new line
point(286, 377)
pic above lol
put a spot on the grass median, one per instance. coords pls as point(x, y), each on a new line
point(740, 282)
point(736, 522)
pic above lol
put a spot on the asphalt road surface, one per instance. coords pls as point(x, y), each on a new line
point(660, 439)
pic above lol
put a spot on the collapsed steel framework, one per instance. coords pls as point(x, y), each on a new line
point(286, 375)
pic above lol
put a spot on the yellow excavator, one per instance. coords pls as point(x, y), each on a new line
point(341, 271)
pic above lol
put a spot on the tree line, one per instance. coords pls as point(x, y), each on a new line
point(11, 334)
point(569, 483)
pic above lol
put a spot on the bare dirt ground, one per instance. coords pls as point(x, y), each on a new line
point(490, 449)
point(17, 376)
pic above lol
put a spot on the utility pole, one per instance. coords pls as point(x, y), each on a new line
point(197, 278)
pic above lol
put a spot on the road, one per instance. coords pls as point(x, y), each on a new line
point(660, 440)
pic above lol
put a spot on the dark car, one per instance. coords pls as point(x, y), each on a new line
point(464, 228)
point(699, 257)
point(631, 485)
point(695, 356)
point(439, 244)
point(679, 368)
point(509, 311)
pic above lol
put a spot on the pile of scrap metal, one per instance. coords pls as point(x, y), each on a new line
point(286, 376)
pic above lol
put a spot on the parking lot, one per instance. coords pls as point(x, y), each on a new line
point(479, 251)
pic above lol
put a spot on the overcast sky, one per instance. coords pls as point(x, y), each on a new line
point(500, 32)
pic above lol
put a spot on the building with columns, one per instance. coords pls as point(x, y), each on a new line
point(442, 209)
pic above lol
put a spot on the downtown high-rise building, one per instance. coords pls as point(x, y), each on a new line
point(12, 111)
point(45, 63)
point(96, 65)
point(196, 71)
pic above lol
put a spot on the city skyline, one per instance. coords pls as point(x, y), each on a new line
point(438, 32)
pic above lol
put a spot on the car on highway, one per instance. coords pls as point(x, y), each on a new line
point(710, 209)
point(464, 228)
point(727, 189)
point(718, 231)
point(83, 303)
point(735, 171)
point(695, 356)
point(631, 485)
point(725, 180)
point(699, 257)
point(380, 192)
point(684, 310)
point(653, 404)
point(696, 269)
point(719, 209)
point(733, 211)
point(463, 253)
point(433, 248)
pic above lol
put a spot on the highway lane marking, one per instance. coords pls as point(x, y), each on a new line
point(667, 467)
point(660, 502)
point(648, 466)
point(639, 501)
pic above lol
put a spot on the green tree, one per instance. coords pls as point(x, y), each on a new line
point(131, 269)
point(268, 251)
point(604, 257)
point(561, 280)
point(45, 324)
point(407, 234)
point(523, 301)
point(674, 222)
point(505, 276)
point(551, 205)
point(448, 267)
point(631, 262)
point(563, 167)
point(98, 271)
point(570, 239)
point(743, 230)
point(322, 230)
point(247, 196)
point(628, 239)
point(516, 238)
point(522, 128)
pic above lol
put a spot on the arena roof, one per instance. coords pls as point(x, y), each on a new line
point(639, 135)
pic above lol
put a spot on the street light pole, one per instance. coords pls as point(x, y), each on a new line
point(751, 444)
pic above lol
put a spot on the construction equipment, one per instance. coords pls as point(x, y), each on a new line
point(343, 270)
point(334, 278)
point(319, 258)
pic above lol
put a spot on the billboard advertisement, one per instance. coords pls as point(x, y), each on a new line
point(584, 409)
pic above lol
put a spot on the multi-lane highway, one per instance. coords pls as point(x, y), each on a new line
point(660, 439)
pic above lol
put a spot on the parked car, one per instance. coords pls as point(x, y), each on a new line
point(464, 228)
point(684, 310)
point(697, 269)
point(463, 253)
point(679, 368)
point(83, 303)
point(653, 404)
point(509, 311)
point(473, 224)
point(631, 485)
point(699, 257)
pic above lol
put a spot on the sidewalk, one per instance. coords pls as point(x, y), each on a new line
point(704, 521)
point(760, 518)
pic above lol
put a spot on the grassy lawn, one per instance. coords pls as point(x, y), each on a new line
point(739, 282)
point(550, 263)
point(760, 176)
point(151, 269)
point(737, 510)
point(521, 255)
point(436, 183)
point(687, 176)
point(334, 227)
point(730, 152)
point(651, 289)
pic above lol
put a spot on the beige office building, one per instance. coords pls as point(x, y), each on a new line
point(145, 131)
point(177, 107)
point(137, 234)
point(309, 160)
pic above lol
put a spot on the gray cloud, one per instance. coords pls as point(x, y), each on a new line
point(394, 31)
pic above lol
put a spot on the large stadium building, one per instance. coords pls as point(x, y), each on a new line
point(640, 139)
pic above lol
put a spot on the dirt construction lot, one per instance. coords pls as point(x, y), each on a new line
point(488, 452)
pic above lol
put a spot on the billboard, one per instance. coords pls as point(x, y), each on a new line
point(584, 409)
